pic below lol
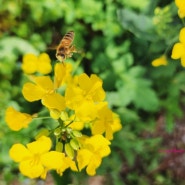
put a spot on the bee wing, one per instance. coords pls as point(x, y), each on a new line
point(52, 47)
point(55, 40)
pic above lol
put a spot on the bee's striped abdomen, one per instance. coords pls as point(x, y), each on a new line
point(67, 39)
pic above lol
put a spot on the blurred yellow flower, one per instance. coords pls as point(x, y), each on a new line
point(41, 87)
point(93, 150)
point(181, 7)
point(160, 61)
point(178, 50)
point(32, 63)
point(17, 120)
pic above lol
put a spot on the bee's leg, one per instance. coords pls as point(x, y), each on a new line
point(73, 49)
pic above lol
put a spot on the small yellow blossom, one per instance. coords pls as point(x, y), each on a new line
point(178, 51)
point(92, 152)
point(103, 123)
point(181, 6)
point(17, 120)
point(32, 63)
point(87, 111)
point(160, 61)
point(30, 158)
point(86, 89)
point(92, 87)
point(42, 86)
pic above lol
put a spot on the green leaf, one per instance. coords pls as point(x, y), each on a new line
point(139, 24)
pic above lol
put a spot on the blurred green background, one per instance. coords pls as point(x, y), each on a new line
point(120, 38)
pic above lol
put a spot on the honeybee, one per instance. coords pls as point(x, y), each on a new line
point(65, 49)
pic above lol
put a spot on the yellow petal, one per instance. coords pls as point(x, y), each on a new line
point(60, 72)
point(40, 146)
point(17, 120)
point(87, 111)
point(181, 5)
point(31, 170)
point(29, 65)
point(44, 57)
point(177, 51)
point(97, 91)
point(93, 165)
point(84, 82)
point(83, 158)
point(98, 127)
point(32, 92)
point(19, 152)
point(54, 160)
point(183, 60)
point(116, 126)
point(182, 35)
point(54, 101)
point(44, 68)
point(98, 144)
point(160, 61)
point(44, 64)
point(73, 96)
point(45, 83)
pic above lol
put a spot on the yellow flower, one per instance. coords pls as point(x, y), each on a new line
point(181, 6)
point(87, 111)
point(92, 87)
point(86, 89)
point(92, 152)
point(30, 158)
point(41, 87)
point(32, 63)
point(17, 120)
point(178, 50)
point(160, 61)
point(103, 123)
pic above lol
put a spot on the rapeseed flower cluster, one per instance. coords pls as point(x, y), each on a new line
point(76, 104)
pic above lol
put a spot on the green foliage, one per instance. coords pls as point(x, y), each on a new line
point(120, 39)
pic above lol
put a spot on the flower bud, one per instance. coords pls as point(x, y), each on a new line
point(74, 144)
point(69, 150)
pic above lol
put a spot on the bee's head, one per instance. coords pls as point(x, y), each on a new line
point(60, 57)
